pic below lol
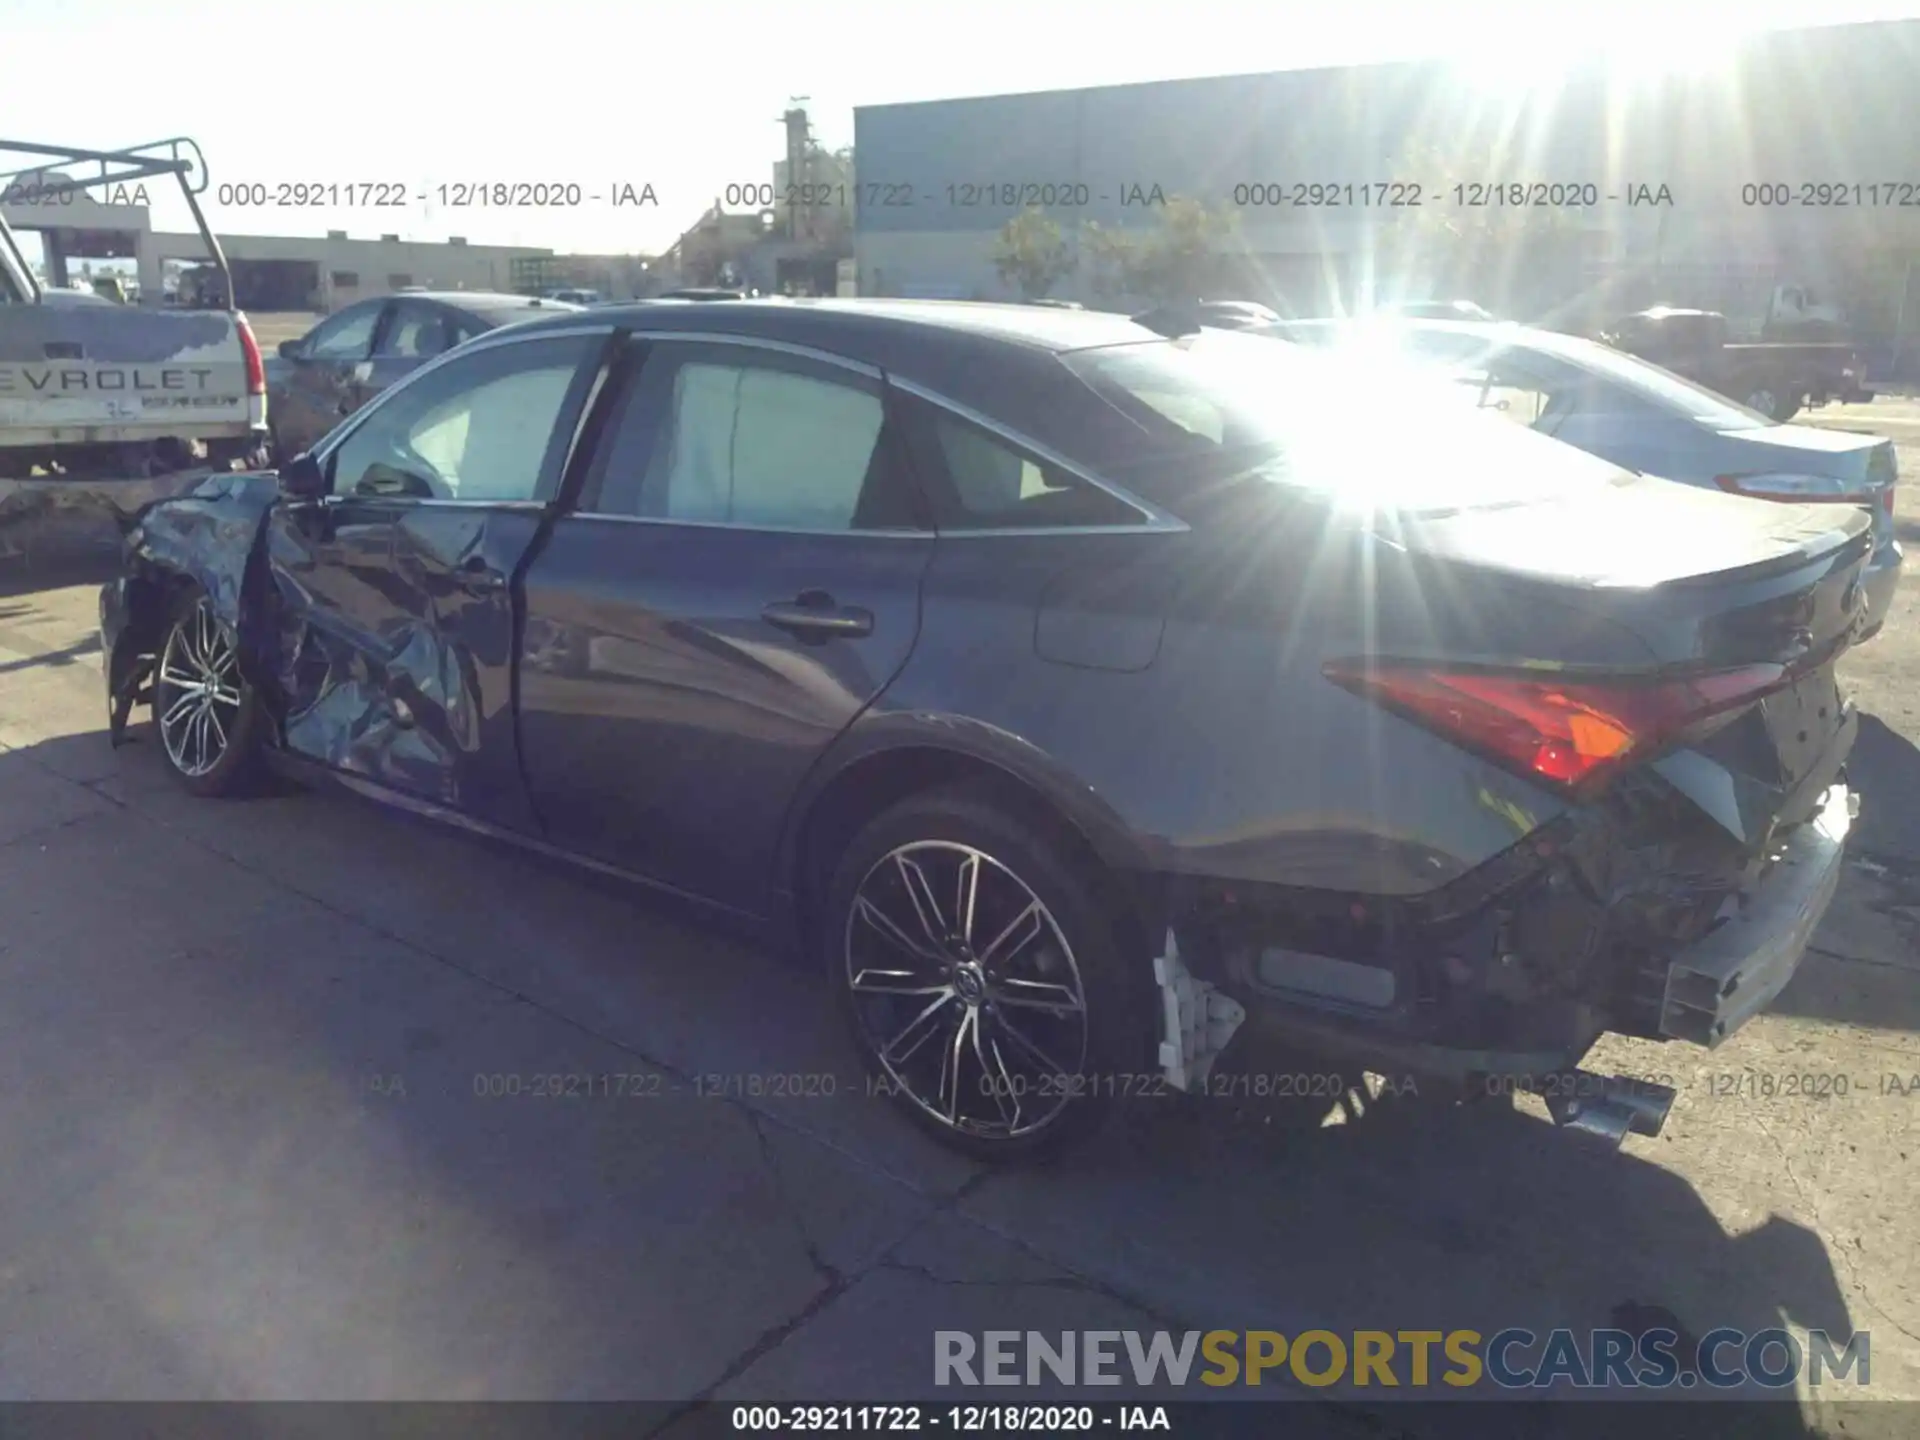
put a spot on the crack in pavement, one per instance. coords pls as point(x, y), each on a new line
point(1820, 1228)
point(784, 1200)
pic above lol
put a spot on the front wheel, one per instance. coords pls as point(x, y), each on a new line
point(987, 987)
point(206, 713)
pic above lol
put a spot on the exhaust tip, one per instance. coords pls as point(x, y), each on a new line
point(1611, 1108)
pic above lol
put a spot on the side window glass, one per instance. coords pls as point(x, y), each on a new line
point(1517, 396)
point(480, 428)
point(989, 484)
point(416, 332)
point(751, 444)
point(347, 336)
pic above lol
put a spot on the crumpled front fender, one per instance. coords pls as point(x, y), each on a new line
point(209, 537)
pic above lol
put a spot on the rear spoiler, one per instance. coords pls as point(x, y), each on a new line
point(179, 157)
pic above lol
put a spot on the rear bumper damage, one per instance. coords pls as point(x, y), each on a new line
point(1723, 980)
point(1504, 985)
point(1878, 584)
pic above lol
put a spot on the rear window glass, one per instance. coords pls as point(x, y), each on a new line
point(1662, 388)
point(1373, 430)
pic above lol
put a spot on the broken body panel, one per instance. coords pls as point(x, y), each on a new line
point(383, 650)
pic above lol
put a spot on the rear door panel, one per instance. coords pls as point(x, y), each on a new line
point(666, 722)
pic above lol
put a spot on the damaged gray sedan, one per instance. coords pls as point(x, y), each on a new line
point(1100, 708)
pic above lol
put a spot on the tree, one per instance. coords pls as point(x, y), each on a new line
point(1178, 259)
point(1032, 256)
point(1111, 255)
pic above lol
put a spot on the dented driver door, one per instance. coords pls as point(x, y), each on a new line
point(399, 591)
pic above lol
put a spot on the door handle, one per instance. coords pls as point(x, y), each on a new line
point(476, 574)
point(816, 617)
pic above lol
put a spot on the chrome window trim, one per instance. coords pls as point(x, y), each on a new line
point(752, 529)
point(755, 342)
point(417, 502)
point(1154, 521)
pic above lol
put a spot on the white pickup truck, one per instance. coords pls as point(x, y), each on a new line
point(107, 406)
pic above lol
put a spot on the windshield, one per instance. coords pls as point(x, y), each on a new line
point(1375, 432)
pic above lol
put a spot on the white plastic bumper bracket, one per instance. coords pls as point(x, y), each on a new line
point(1198, 1019)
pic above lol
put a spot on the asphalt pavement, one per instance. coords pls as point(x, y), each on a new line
point(273, 1126)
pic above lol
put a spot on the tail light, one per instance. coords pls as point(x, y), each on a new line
point(1797, 489)
point(1571, 734)
point(250, 352)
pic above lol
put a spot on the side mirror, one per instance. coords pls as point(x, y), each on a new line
point(292, 349)
point(301, 478)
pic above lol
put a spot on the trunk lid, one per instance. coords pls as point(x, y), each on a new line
point(1706, 583)
point(1702, 578)
point(1863, 469)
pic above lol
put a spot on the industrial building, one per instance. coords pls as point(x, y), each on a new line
point(794, 239)
point(1318, 166)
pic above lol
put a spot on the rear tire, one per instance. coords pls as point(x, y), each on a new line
point(979, 970)
point(205, 714)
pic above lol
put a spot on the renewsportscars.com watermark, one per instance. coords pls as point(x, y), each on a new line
point(1512, 1359)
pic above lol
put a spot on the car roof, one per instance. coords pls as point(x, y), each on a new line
point(1001, 360)
point(483, 300)
point(850, 326)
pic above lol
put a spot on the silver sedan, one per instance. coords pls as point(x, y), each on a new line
point(1646, 419)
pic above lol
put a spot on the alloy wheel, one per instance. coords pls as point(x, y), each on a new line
point(966, 990)
point(1763, 401)
point(197, 691)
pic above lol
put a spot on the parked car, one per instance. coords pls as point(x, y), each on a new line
point(575, 296)
point(1646, 419)
point(1778, 378)
point(354, 354)
point(701, 292)
point(1088, 701)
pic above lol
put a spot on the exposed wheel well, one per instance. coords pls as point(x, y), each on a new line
point(154, 594)
point(870, 786)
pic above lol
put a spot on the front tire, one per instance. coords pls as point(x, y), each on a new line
point(205, 713)
point(980, 970)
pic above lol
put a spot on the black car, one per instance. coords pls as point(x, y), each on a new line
point(354, 354)
point(1089, 701)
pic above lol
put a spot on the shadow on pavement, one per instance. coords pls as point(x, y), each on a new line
point(52, 562)
point(1885, 768)
point(255, 1059)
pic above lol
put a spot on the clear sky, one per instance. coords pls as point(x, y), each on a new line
point(685, 97)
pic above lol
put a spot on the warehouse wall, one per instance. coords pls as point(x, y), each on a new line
point(1827, 105)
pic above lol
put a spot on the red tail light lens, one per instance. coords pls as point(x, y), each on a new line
point(250, 352)
point(1795, 489)
point(1571, 734)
